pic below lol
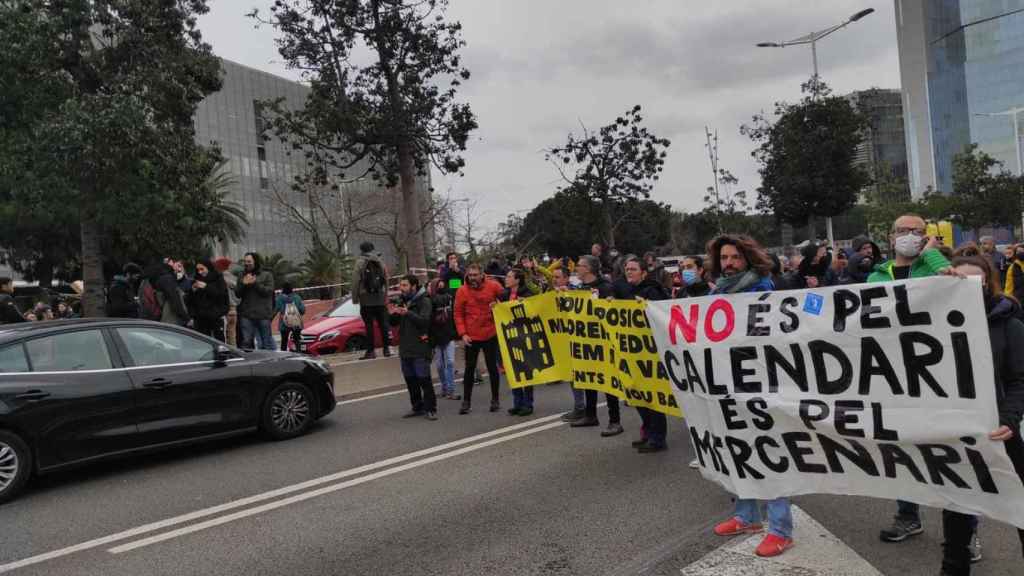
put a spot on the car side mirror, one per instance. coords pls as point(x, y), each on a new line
point(222, 354)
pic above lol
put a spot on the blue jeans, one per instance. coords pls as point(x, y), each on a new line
point(780, 517)
point(444, 357)
point(253, 329)
point(522, 397)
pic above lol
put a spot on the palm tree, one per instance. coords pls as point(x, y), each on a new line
point(282, 269)
point(227, 217)
point(323, 267)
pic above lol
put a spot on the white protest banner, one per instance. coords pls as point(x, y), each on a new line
point(882, 390)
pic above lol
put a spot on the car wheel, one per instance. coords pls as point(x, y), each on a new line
point(288, 411)
point(355, 344)
point(15, 465)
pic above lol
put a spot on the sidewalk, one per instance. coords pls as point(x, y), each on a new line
point(353, 376)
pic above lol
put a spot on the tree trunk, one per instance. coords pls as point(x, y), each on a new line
point(93, 302)
point(812, 233)
point(44, 273)
point(609, 223)
point(415, 255)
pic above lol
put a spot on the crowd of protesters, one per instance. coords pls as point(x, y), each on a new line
point(236, 304)
point(463, 296)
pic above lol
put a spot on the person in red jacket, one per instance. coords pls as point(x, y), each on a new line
point(475, 323)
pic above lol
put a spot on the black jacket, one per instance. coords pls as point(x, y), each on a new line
point(1006, 333)
point(121, 299)
point(521, 292)
point(602, 286)
point(649, 289)
point(9, 313)
point(414, 327)
point(442, 325)
point(695, 290)
point(209, 303)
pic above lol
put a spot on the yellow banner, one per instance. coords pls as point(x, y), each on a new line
point(603, 345)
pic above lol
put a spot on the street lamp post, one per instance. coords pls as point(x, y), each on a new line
point(1013, 113)
point(813, 39)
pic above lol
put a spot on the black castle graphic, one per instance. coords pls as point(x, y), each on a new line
point(528, 344)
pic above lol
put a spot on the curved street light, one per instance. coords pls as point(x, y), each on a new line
point(813, 39)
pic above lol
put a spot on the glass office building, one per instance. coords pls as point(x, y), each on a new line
point(959, 61)
point(262, 171)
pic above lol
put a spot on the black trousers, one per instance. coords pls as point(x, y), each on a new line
point(295, 334)
point(655, 426)
point(212, 328)
point(417, 379)
point(957, 528)
point(378, 315)
point(490, 350)
point(614, 417)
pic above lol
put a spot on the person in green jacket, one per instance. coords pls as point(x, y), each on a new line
point(915, 255)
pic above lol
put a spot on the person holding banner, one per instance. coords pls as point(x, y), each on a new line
point(516, 288)
point(560, 283)
point(916, 256)
point(642, 286)
point(740, 265)
point(588, 270)
point(475, 324)
point(1006, 334)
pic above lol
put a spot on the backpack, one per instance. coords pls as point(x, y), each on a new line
point(150, 307)
point(292, 318)
point(373, 280)
point(442, 311)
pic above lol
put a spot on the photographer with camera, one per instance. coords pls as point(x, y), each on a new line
point(864, 256)
point(412, 312)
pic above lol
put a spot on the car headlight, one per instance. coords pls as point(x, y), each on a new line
point(327, 336)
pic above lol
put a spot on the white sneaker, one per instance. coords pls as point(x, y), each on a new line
point(695, 464)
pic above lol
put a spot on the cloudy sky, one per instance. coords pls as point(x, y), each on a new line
point(541, 67)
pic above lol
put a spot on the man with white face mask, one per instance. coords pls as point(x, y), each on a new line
point(915, 255)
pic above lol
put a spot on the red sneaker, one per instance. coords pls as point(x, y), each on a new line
point(773, 545)
point(734, 526)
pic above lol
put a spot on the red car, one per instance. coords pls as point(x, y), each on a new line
point(340, 330)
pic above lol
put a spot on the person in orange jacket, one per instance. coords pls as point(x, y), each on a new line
point(475, 324)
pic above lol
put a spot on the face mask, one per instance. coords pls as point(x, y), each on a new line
point(689, 277)
point(909, 245)
point(179, 275)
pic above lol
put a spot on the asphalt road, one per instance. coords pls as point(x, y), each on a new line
point(368, 492)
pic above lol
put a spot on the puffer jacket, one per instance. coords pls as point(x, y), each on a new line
point(1006, 333)
point(473, 316)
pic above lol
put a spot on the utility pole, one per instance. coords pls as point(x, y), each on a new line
point(712, 146)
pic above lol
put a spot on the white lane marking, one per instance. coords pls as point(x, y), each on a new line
point(169, 522)
point(385, 394)
point(322, 491)
point(817, 552)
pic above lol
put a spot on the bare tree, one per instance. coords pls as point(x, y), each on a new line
point(381, 215)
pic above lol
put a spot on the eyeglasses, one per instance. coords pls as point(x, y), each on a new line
point(905, 231)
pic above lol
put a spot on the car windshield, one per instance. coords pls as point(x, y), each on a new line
point(346, 309)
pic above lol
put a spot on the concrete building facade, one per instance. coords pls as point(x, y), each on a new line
point(262, 170)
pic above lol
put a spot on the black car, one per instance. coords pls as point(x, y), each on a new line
point(75, 391)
